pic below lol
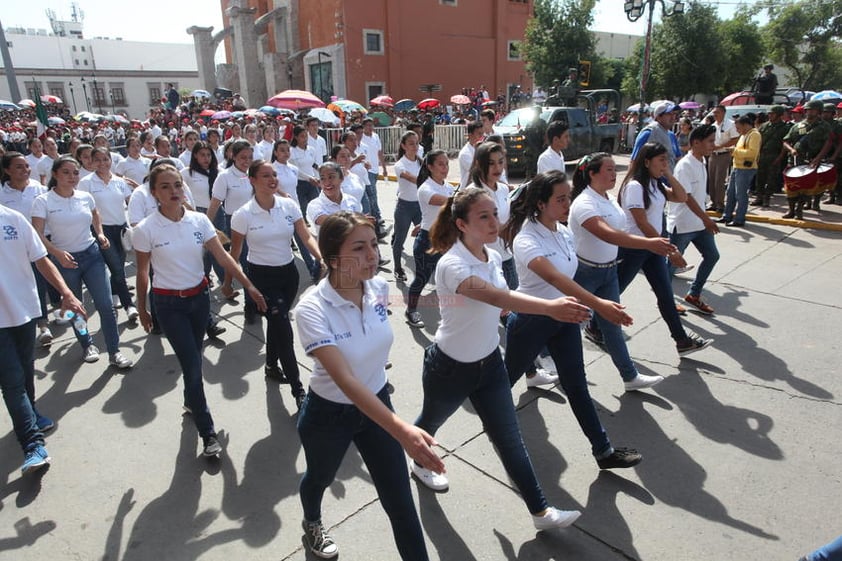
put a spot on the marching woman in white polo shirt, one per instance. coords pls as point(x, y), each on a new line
point(598, 224)
point(546, 260)
point(343, 324)
point(267, 222)
point(351, 184)
point(68, 214)
point(134, 167)
point(465, 360)
point(407, 210)
point(303, 157)
point(111, 194)
point(331, 200)
point(433, 192)
point(232, 187)
point(83, 155)
point(173, 240)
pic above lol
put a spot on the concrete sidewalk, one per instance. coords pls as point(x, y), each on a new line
point(739, 440)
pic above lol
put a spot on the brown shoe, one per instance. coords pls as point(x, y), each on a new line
point(680, 310)
point(697, 303)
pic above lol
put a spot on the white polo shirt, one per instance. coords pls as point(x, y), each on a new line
point(501, 199)
point(21, 201)
point(176, 248)
point(351, 186)
point(550, 160)
point(633, 198)
point(725, 131)
point(116, 158)
point(134, 169)
point(268, 233)
point(425, 193)
point(363, 336)
point(304, 160)
point(536, 240)
point(466, 160)
point(287, 178)
point(45, 168)
point(263, 150)
point(371, 146)
point(110, 198)
point(143, 204)
point(322, 206)
point(233, 188)
point(20, 245)
point(319, 147)
point(587, 205)
point(693, 176)
point(407, 190)
point(199, 188)
point(68, 219)
point(33, 162)
point(468, 330)
point(361, 173)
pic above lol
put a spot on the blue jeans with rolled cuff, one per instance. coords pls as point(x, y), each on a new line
point(706, 246)
point(425, 268)
point(17, 355)
point(327, 429)
point(407, 213)
point(371, 192)
point(115, 260)
point(448, 382)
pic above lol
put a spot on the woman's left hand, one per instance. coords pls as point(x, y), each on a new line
point(258, 298)
point(103, 241)
point(677, 259)
point(567, 309)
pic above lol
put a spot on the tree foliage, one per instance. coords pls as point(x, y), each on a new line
point(743, 52)
point(557, 37)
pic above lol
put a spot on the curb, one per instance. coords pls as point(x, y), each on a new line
point(811, 224)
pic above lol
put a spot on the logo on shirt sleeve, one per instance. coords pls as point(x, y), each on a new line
point(200, 238)
point(10, 233)
point(380, 309)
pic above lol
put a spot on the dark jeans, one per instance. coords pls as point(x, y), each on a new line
point(184, 321)
point(115, 260)
point(279, 286)
point(91, 270)
point(327, 429)
point(447, 383)
point(706, 245)
point(737, 194)
point(526, 335)
point(41, 285)
point(17, 356)
point(371, 192)
point(406, 214)
point(510, 273)
point(306, 193)
point(425, 268)
point(249, 306)
point(654, 267)
point(208, 258)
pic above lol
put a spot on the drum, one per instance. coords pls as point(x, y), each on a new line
point(800, 180)
point(826, 180)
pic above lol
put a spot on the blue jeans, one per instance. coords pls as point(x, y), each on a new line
point(654, 267)
point(510, 273)
point(327, 429)
point(184, 321)
point(526, 335)
point(115, 260)
point(208, 258)
point(425, 268)
point(371, 192)
point(248, 305)
point(306, 192)
point(406, 213)
point(829, 552)
point(737, 194)
point(706, 245)
point(602, 282)
point(447, 383)
point(17, 355)
point(91, 271)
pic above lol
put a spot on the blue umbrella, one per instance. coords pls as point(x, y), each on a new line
point(826, 95)
point(199, 93)
point(269, 110)
point(8, 105)
point(404, 105)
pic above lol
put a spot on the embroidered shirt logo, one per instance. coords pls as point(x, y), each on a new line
point(200, 238)
point(10, 233)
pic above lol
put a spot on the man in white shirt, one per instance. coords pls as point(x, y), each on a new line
point(36, 153)
point(486, 118)
point(370, 144)
point(266, 146)
point(558, 137)
point(720, 160)
point(316, 142)
point(466, 154)
point(154, 129)
point(688, 222)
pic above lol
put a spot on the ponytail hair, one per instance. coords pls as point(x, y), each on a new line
point(444, 232)
point(589, 164)
point(429, 160)
point(404, 137)
point(640, 173)
point(524, 202)
point(482, 162)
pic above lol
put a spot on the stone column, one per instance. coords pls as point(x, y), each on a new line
point(205, 50)
point(252, 84)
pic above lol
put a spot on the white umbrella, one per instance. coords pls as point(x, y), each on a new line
point(324, 115)
point(200, 93)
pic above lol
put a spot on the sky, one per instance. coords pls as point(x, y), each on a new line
point(167, 20)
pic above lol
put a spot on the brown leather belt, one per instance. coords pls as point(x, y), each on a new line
point(186, 293)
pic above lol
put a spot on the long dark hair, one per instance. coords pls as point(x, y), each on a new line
point(444, 232)
point(525, 199)
point(429, 160)
point(640, 173)
point(296, 130)
point(281, 142)
point(236, 147)
point(8, 158)
point(482, 161)
point(212, 171)
point(404, 137)
point(57, 163)
point(589, 164)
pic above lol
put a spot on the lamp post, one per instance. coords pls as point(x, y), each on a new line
point(111, 94)
point(85, 93)
point(320, 54)
point(73, 97)
point(97, 97)
point(634, 11)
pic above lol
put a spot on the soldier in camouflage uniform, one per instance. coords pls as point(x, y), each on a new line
point(772, 154)
point(829, 112)
point(808, 143)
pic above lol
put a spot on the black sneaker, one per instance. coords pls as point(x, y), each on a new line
point(621, 458)
point(400, 275)
point(214, 331)
point(299, 398)
point(692, 344)
point(318, 540)
point(594, 336)
point(212, 446)
point(275, 373)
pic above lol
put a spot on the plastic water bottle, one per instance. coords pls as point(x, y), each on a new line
point(78, 321)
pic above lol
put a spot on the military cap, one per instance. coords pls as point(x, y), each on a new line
point(779, 109)
point(815, 104)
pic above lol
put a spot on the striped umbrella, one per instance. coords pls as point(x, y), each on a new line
point(295, 99)
point(383, 100)
point(8, 105)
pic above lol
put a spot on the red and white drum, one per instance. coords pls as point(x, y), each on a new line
point(826, 180)
point(800, 180)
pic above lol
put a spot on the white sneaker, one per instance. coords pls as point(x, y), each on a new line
point(555, 518)
point(121, 362)
point(58, 318)
point(132, 312)
point(642, 381)
point(433, 480)
point(115, 301)
point(542, 377)
point(681, 270)
point(45, 337)
point(91, 354)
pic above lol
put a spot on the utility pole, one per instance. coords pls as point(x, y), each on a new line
point(14, 91)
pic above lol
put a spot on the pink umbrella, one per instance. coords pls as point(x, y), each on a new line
point(690, 105)
point(295, 99)
point(738, 98)
point(52, 99)
point(428, 103)
point(384, 100)
point(27, 102)
point(460, 99)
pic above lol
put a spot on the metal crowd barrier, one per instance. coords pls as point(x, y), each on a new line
point(445, 137)
point(450, 137)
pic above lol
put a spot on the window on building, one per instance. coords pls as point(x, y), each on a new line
point(118, 97)
point(74, 48)
point(154, 95)
point(33, 90)
point(85, 61)
point(76, 62)
point(375, 89)
point(83, 48)
point(56, 89)
point(513, 52)
point(99, 95)
point(373, 42)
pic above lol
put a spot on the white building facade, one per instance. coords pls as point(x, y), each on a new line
point(100, 75)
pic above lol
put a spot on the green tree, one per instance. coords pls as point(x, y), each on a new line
point(742, 46)
point(557, 37)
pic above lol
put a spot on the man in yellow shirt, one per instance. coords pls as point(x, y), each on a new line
point(744, 170)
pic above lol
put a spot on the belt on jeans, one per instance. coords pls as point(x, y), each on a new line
point(186, 293)
point(720, 152)
point(608, 265)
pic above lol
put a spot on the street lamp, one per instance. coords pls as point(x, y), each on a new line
point(73, 97)
point(111, 94)
point(320, 54)
point(97, 97)
point(85, 92)
point(634, 11)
